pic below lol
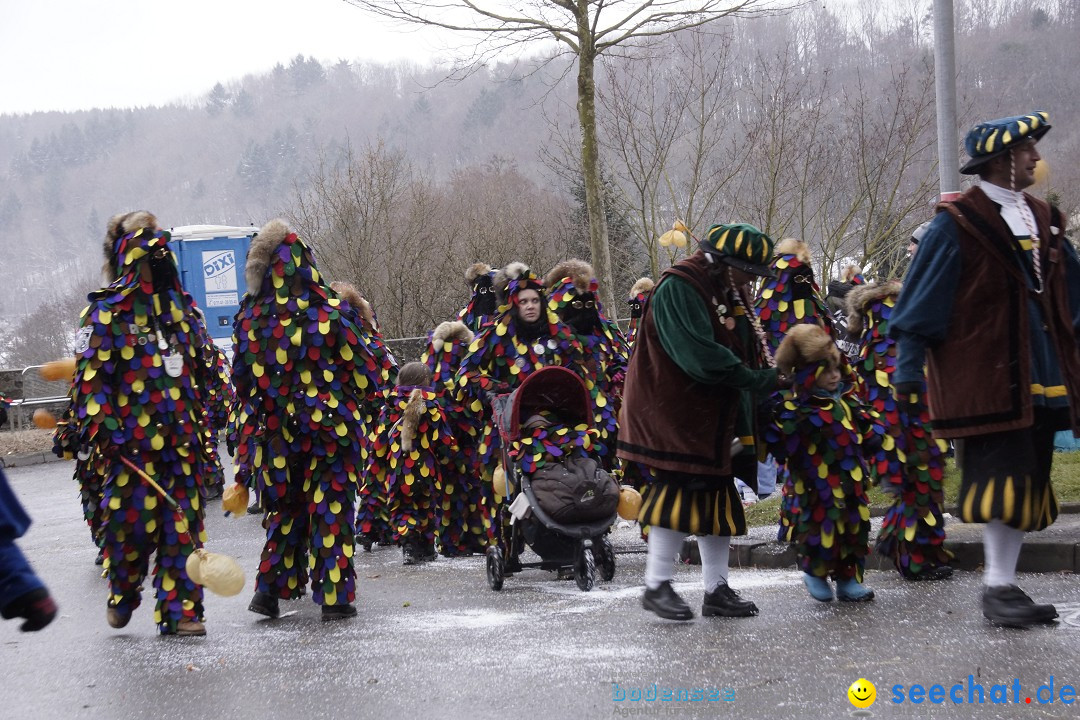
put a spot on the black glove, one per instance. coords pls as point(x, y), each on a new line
point(911, 398)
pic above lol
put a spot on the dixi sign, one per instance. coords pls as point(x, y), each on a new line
point(219, 263)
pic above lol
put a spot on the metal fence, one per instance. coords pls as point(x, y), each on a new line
point(33, 392)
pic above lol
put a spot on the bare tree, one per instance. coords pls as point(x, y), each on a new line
point(586, 29)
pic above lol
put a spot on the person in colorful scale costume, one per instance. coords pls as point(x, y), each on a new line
point(372, 525)
point(219, 399)
point(141, 364)
point(791, 297)
point(465, 520)
point(413, 454)
point(302, 367)
point(913, 470)
point(572, 294)
point(483, 305)
point(823, 435)
point(639, 295)
point(526, 335)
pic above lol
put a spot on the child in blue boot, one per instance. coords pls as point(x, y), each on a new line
point(823, 433)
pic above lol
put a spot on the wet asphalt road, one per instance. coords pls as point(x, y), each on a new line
point(436, 642)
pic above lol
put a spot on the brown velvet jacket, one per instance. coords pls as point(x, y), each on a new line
point(979, 376)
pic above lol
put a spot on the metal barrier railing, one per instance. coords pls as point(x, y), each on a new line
point(36, 393)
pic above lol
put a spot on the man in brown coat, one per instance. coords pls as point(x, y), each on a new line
point(992, 302)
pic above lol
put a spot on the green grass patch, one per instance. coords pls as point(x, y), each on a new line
point(1065, 476)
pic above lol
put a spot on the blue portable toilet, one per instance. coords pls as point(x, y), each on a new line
point(211, 260)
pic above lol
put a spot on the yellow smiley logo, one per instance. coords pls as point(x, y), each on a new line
point(862, 693)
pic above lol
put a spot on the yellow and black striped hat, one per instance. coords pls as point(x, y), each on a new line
point(989, 139)
point(741, 246)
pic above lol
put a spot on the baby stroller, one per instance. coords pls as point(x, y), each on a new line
point(563, 511)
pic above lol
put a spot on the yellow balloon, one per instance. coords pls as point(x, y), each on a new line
point(1042, 172)
point(629, 503)
point(498, 481)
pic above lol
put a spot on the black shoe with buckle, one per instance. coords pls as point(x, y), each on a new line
point(726, 602)
point(666, 603)
point(1010, 606)
point(338, 612)
point(265, 604)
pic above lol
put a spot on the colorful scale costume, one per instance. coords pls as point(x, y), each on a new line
point(302, 368)
point(505, 352)
point(793, 296)
point(371, 520)
point(572, 294)
point(220, 397)
point(482, 305)
point(412, 446)
point(140, 364)
point(913, 532)
point(639, 295)
point(822, 437)
point(550, 440)
point(465, 520)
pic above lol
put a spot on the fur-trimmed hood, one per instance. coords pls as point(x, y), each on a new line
point(350, 294)
point(793, 246)
point(119, 226)
point(643, 286)
point(504, 276)
point(474, 271)
point(862, 296)
point(579, 272)
point(805, 344)
point(261, 250)
point(453, 331)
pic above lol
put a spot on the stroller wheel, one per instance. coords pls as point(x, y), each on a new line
point(585, 567)
point(495, 573)
point(606, 557)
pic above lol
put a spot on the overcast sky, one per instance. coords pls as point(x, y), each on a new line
point(80, 54)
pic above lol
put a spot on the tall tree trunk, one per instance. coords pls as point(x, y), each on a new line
point(590, 165)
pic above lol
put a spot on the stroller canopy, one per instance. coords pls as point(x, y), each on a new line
point(552, 388)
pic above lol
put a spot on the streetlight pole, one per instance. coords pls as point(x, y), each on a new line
point(945, 86)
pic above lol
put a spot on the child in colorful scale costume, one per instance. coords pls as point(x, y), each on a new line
point(913, 471)
point(372, 525)
point(823, 433)
point(572, 294)
point(639, 295)
point(465, 519)
point(483, 305)
point(413, 454)
point(141, 360)
point(302, 368)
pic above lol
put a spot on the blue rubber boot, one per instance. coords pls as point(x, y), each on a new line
point(819, 587)
point(851, 590)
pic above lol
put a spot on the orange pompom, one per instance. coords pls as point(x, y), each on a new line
point(58, 369)
point(44, 419)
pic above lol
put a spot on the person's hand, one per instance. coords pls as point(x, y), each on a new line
point(783, 382)
point(911, 398)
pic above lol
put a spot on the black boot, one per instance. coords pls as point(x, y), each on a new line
point(666, 603)
point(338, 612)
point(265, 604)
point(36, 607)
point(1010, 606)
point(726, 602)
point(410, 553)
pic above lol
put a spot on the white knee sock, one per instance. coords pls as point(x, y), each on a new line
point(715, 550)
point(664, 545)
point(1002, 549)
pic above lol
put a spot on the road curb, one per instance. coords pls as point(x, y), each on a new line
point(25, 459)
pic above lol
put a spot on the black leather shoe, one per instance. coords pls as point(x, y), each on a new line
point(265, 604)
point(1010, 606)
point(100, 559)
point(726, 602)
point(338, 612)
point(410, 553)
point(666, 603)
point(937, 572)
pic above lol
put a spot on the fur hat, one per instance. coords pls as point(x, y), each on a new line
point(796, 247)
point(805, 344)
point(852, 274)
point(643, 286)
point(579, 272)
point(261, 250)
point(351, 295)
point(474, 271)
point(454, 331)
point(119, 226)
point(515, 271)
point(862, 297)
